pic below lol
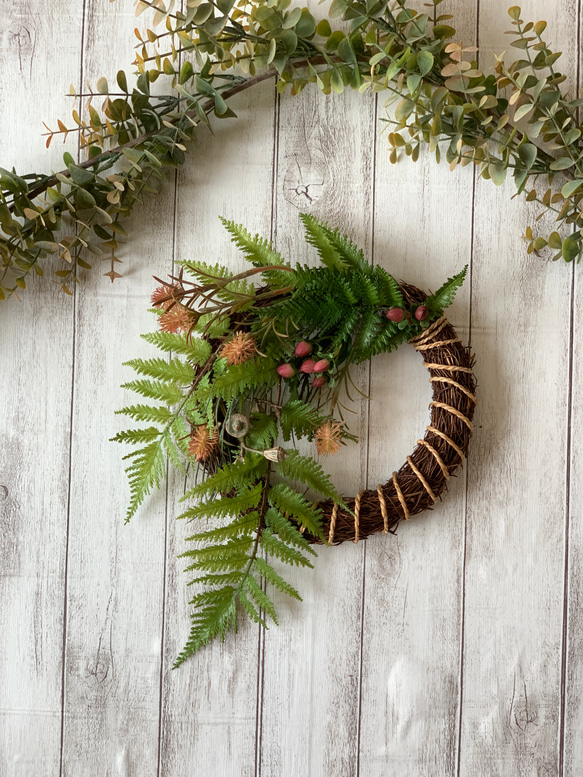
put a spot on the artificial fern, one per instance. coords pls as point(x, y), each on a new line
point(249, 360)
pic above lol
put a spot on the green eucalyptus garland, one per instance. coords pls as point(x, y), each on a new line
point(518, 121)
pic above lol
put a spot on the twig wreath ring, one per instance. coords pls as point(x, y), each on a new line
point(256, 367)
point(423, 477)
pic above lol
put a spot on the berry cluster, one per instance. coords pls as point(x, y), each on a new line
point(307, 366)
point(396, 315)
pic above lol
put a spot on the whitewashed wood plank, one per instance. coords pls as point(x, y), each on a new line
point(311, 662)
point(210, 703)
point(35, 385)
point(572, 690)
point(510, 720)
point(413, 593)
point(116, 572)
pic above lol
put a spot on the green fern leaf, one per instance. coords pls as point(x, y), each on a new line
point(390, 292)
point(164, 392)
point(300, 418)
point(147, 469)
point(146, 413)
point(263, 431)
point(444, 296)
point(305, 469)
point(260, 597)
point(174, 370)
point(280, 550)
point(211, 622)
point(245, 499)
point(223, 579)
point(269, 573)
point(250, 608)
point(287, 531)
point(290, 502)
point(217, 558)
point(317, 236)
point(237, 379)
point(351, 255)
point(137, 436)
point(242, 526)
point(260, 253)
point(233, 475)
point(195, 349)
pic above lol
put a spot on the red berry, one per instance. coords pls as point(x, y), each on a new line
point(421, 313)
point(308, 366)
point(303, 349)
point(319, 381)
point(322, 365)
point(286, 371)
point(395, 314)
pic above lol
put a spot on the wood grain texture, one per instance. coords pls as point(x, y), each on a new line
point(414, 582)
point(112, 678)
point(517, 477)
point(210, 705)
point(451, 650)
point(35, 414)
point(311, 675)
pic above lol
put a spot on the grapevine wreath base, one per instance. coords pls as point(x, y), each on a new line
point(260, 361)
point(423, 477)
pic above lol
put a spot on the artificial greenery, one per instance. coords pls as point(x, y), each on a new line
point(519, 121)
point(256, 367)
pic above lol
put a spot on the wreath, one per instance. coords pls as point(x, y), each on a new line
point(519, 120)
point(256, 367)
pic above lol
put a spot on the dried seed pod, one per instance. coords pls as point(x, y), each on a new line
point(237, 425)
point(275, 454)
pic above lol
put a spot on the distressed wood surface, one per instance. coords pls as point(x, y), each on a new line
point(451, 650)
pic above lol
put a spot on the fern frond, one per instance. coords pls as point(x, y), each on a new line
point(306, 470)
point(195, 349)
point(260, 597)
point(137, 436)
point(244, 525)
point(250, 608)
point(164, 392)
point(144, 473)
point(245, 499)
point(233, 475)
point(172, 370)
point(211, 622)
point(260, 253)
point(287, 531)
point(263, 431)
point(300, 418)
point(389, 290)
point(444, 296)
point(223, 579)
point(269, 573)
point(146, 413)
point(237, 379)
point(290, 502)
point(280, 550)
point(232, 555)
point(316, 236)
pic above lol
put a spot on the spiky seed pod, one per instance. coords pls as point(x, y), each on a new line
point(240, 349)
point(328, 437)
point(162, 297)
point(176, 319)
point(203, 443)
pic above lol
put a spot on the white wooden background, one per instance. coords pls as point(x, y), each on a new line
point(453, 649)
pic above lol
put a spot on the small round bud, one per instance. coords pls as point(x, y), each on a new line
point(319, 381)
point(303, 349)
point(307, 366)
point(395, 314)
point(322, 365)
point(286, 371)
point(421, 313)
